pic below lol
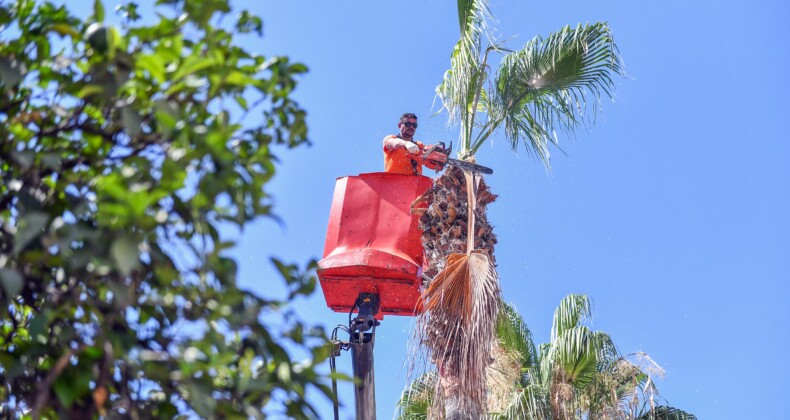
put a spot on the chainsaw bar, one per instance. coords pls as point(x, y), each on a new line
point(444, 159)
point(468, 166)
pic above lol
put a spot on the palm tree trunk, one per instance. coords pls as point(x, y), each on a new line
point(460, 346)
point(444, 224)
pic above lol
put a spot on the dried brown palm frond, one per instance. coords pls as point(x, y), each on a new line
point(460, 308)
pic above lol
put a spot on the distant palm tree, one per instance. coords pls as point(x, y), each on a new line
point(577, 375)
point(551, 84)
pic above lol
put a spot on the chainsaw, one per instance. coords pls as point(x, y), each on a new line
point(437, 157)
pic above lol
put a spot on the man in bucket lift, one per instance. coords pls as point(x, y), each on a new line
point(397, 149)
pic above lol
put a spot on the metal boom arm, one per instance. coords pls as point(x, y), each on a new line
point(362, 355)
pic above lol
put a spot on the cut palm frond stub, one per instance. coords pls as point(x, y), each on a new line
point(445, 221)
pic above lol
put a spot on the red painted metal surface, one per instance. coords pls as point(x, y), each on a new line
point(373, 243)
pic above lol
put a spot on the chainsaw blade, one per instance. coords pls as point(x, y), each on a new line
point(469, 166)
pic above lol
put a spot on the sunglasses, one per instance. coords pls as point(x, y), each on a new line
point(410, 124)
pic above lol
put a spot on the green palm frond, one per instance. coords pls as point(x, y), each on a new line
point(416, 400)
point(544, 362)
point(607, 351)
point(616, 389)
point(514, 335)
point(573, 309)
point(468, 12)
point(574, 352)
point(666, 413)
point(552, 83)
point(530, 403)
point(463, 81)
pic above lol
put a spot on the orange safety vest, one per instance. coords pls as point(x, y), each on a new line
point(396, 161)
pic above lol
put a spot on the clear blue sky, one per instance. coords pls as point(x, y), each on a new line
point(671, 213)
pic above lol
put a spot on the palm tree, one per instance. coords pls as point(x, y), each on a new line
point(578, 374)
point(550, 84)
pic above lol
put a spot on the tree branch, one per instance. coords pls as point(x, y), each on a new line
point(43, 389)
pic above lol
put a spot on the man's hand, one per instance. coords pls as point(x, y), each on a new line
point(411, 147)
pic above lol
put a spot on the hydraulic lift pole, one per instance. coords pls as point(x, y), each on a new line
point(362, 354)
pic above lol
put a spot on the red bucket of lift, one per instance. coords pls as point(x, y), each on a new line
point(373, 243)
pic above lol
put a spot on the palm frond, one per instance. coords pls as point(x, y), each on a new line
point(468, 12)
point(530, 403)
point(513, 334)
point(575, 353)
point(416, 400)
point(504, 377)
point(450, 292)
point(616, 389)
point(544, 362)
point(466, 74)
point(607, 351)
point(666, 413)
point(545, 86)
point(461, 306)
point(572, 310)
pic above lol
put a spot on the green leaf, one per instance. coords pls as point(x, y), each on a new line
point(201, 400)
point(241, 101)
point(40, 323)
point(89, 90)
point(51, 160)
point(200, 11)
point(113, 41)
point(125, 254)
point(31, 226)
point(238, 78)
point(65, 391)
point(98, 11)
point(131, 120)
point(167, 116)
point(154, 64)
point(12, 281)
point(24, 158)
point(63, 30)
point(5, 16)
point(193, 64)
point(298, 68)
point(173, 175)
point(249, 23)
point(92, 352)
point(11, 71)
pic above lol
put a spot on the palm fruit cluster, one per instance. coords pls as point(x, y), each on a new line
point(444, 223)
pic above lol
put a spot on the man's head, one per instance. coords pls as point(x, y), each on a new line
point(407, 125)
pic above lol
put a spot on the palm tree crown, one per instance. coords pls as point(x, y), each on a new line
point(551, 83)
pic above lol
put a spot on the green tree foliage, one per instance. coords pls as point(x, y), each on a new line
point(123, 149)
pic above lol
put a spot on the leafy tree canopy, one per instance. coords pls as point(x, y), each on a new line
point(123, 149)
